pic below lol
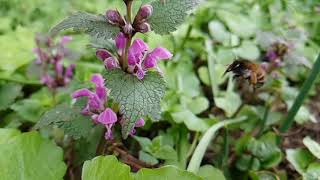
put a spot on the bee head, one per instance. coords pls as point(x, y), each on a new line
point(236, 67)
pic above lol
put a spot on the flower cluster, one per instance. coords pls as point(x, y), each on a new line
point(140, 58)
point(97, 106)
point(139, 24)
point(50, 57)
point(279, 51)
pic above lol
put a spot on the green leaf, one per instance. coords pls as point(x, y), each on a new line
point(299, 158)
point(201, 148)
point(29, 109)
point(190, 120)
point(31, 157)
point(313, 146)
point(105, 168)
point(239, 24)
point(69, 119)
point(203, 72)
point(247, 163)
point(165, 152)
point(8, 93)
point(137, 98)
point(144, 142)
point(229, 102)
point(248, 50)
point(7, 134)
point(166, 172)
point(96, 26)
point(169, 14)
point(263, 175)
point(17, 46)
point(208, 172)
point(313, 172)
point(198, 104)
point(148, 158)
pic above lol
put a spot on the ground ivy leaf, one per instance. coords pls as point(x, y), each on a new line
point(69, 119)
point(166, 172)
point(168, 14)
point(8, 93)
point(94, 25)
point(136, 98)
point(105, 167)
point(30, 156)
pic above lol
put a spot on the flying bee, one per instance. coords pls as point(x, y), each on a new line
point(248, 70)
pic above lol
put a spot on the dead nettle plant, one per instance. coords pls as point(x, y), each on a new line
point(131, 86)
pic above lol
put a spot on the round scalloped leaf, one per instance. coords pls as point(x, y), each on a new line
point(29, 156)
point(104, 168)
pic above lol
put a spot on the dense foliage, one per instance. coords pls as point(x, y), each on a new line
point(135, 89)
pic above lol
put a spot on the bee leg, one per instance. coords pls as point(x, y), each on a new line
point(253, 80)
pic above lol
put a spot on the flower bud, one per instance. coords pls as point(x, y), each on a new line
point(143, 27)
point(114, 17)
point(144, 12)
point(128, 29)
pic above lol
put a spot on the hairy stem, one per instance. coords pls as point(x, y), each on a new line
point(129, 37)
point(200, 150)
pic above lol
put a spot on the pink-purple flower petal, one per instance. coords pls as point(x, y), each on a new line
point(107, 117)
point(103, 54)
point(121, 42)
point(111, 63)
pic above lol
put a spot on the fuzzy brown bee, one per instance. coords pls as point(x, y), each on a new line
point(245, 69)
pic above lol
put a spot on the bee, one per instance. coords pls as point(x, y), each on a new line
point(248, 70)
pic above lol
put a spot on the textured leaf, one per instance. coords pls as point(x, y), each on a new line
point(69, 119)
point(105, 168)
point(29, 156)
point(8, 93)
point(169, 14)
point(166, 172)
point(137, 98)
point(94, 25)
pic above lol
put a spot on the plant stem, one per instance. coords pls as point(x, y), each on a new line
point(200, 150)
point(194, 143)
point(211, 64)
point(302, 95)
point(190, 27)
point(126, 52)
point(264, 120)
point(129, 37)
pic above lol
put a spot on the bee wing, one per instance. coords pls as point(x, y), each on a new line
point(294, 57)
point(266, 39)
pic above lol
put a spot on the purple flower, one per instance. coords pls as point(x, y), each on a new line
point(106, 57)
point(121, 42)
point(114, 17)
point(96, 105)
point(97, 99)
point(65, 40)
point(50, 56)
point(138, 124)
point(140, 60)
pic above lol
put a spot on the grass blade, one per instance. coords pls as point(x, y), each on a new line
point(302, 95)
